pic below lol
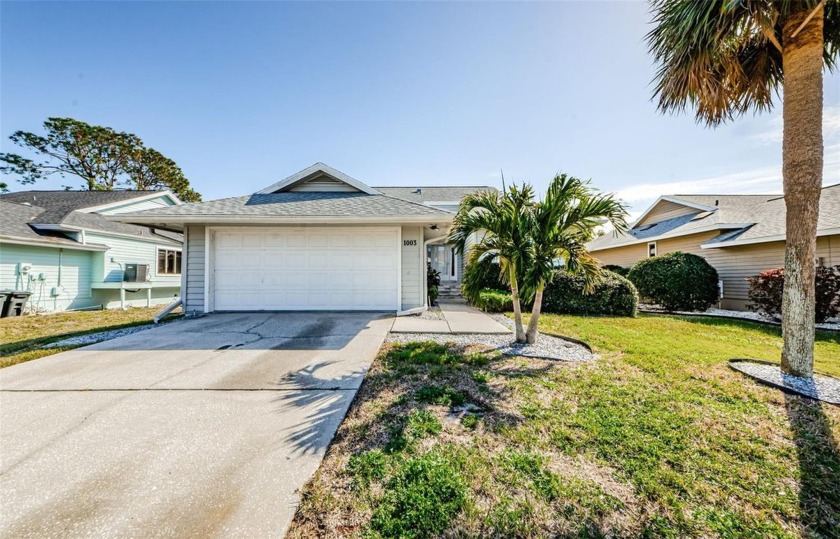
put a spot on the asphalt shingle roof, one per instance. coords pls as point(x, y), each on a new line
point(433, 194)
point(14, 223)
point(740, 218)
point(301, 204)
point(62, 208)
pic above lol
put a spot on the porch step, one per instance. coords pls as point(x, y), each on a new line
point(449, 291)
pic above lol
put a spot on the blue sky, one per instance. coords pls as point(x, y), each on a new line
point(241, 94)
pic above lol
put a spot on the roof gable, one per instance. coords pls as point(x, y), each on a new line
point(319, 178)
point(149, 200)
point(669, 207)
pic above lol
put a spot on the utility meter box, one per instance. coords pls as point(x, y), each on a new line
point(24, 268)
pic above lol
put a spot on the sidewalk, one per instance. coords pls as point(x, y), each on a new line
point(458, 317)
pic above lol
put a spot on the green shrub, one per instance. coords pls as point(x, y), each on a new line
point(494, 301)
point(676, 281)
point(421, 499)
point(481, 275)
point(766, 292)
point(613, 295)
point(432, 283)
point(621, 270)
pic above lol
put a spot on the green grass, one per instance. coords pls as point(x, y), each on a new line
point(657, 438)
point(22, 337)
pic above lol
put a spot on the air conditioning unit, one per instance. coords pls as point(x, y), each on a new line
point(136, 273)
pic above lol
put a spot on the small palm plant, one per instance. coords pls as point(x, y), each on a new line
point(530, 238)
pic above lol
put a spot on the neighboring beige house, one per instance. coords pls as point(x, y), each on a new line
point(317, 240)
point(740, 235)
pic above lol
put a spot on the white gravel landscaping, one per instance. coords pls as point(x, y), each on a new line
point(547, 346)
point(830, 324)
point(824, 388)
point(92, 338)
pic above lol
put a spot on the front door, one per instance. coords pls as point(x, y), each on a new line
point(443, 259)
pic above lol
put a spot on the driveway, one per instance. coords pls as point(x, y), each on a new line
point(202, 427)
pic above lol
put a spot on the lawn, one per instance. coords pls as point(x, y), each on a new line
point(21, 338)
point(657, 438)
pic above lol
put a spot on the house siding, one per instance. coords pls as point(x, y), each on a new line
point(412, 268)
point(67, 267)
point(733, 264)
point(194, 260)
point(323, 185)
point(128, 251)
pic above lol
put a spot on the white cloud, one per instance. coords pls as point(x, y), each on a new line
point(764, 180)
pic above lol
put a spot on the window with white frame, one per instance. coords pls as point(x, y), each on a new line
point(168, 262)
point(651, 249)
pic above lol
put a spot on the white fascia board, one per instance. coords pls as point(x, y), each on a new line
point(12, 240)
point(764, 239)
point(150, 196)
point(675, 200)
point(66, 228)
point(676, 234)
point(443, 219)
point(318, 167)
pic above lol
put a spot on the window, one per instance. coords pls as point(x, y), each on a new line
point(651, 249)
point(169, 262)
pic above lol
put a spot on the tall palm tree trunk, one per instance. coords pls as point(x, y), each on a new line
point(531, 333)
point(517, 308)
point(802, 158)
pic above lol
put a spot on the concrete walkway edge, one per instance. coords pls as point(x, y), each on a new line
point(458, 318)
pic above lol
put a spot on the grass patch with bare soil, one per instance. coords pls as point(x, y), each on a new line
point(657, 438)
point(22, 337)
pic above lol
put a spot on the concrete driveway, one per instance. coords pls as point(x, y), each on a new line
point(203, 427)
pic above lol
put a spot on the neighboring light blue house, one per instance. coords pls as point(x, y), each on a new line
point(60, 246)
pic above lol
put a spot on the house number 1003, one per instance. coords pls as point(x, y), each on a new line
point(409, 243)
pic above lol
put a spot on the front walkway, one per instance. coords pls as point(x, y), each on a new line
point(458, 317)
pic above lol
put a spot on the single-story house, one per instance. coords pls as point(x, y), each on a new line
point(61, 247)
point(740, 235)
point(317, 240)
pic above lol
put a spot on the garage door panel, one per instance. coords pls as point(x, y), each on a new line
point(293, 269)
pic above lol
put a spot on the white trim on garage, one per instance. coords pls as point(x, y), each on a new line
point(296, 296)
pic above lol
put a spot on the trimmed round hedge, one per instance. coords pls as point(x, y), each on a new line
point(613, 295)
point(676, 281)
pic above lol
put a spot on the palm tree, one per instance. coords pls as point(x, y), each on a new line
point(500, 220)
point(561, 225)
point(528, 238)
point(727, 57)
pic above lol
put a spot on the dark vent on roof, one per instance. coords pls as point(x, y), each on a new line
point(418, 191)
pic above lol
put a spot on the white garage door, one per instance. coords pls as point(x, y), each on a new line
point(305, 268)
